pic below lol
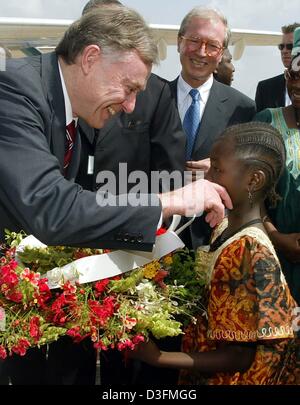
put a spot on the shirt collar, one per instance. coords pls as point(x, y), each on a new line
point(68, 106)
point(204, 89)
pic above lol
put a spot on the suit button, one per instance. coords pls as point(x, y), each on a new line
point(126, 237)
point(119, 236)
point(140, 238)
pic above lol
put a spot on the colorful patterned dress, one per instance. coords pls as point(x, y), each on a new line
point(248, 301)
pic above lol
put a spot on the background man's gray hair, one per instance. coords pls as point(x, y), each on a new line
point(288, 29)
point(113, 29)
point(206, 13)
point(90, 5)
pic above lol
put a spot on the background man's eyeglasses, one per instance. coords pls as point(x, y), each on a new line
point(211, 48)
point(289, 47)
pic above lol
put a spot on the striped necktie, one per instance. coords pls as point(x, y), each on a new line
point(191, 122)
point(70, 141)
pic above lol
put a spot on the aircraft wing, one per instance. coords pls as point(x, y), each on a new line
point(30, 35)
point(167, 35)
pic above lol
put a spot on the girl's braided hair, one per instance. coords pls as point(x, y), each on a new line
point(260, 145)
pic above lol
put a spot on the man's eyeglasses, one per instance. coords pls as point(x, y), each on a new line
point(289, 47)
point(291, 75)
point(211, 48)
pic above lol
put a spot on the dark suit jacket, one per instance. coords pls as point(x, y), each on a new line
point(270, 93)
point(149, 139)
point(34, 195)
point(225, 106)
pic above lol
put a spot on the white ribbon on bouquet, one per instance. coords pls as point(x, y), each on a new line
point(98, 267)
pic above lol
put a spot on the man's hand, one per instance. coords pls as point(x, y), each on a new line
point(194, 199)
point(288, 244)
point(198, 168)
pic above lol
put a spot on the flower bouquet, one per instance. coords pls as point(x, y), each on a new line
point(117, 312)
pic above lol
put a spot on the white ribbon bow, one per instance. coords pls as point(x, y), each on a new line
point(98, 267)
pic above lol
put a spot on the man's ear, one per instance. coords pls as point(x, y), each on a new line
point(179, 40)
point(257, 180)
point(89, 56)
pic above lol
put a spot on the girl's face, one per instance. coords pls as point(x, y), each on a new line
point(228, 171)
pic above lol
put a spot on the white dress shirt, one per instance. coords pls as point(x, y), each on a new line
point(184, 99)
point(68, 107)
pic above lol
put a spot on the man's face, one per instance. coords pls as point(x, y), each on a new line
point(110, 84)
point(226, 69)
point(286, 53)
point(197, 65)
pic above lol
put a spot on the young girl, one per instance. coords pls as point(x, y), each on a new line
point(248, 336)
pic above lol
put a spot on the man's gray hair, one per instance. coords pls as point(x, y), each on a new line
point(92, 4)
point(114, 30)
point(206, 13)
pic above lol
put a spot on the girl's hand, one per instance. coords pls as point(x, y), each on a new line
point(196, 166)
point(147, 352)
point(288, 244)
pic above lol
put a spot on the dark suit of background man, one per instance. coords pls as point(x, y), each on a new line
point(272, 93)
point(90, 76)
point(202, 36)
point(149, 139)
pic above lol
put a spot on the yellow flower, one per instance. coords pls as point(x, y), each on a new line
point(168, 260)
point(151, 269)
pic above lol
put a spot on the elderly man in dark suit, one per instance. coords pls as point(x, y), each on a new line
point(149, 139)
point(91, 76)
point(272, 93)
point(202, 38)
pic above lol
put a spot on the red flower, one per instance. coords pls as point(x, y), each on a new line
point(3, 353)
point(161, 231)
point(21, 347)
point(101, 285)
point(14, 296)
point(34, 328)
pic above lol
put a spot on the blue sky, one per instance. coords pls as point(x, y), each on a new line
point(256, 64)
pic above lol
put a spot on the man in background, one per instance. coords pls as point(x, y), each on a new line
point(206, 107)
point(272, 93)
point(225, 69)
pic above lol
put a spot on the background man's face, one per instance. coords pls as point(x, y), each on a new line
point(286, 53)
point(197, 66)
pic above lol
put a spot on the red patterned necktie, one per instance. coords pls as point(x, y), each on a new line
point(70, 141)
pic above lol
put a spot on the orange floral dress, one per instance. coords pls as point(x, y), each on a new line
point(248, 301)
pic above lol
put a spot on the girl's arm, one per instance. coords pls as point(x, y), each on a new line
point(228, 357)
point(286, 243)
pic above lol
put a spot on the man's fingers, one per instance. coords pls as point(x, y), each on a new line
point(215, 215)
point(224, 196)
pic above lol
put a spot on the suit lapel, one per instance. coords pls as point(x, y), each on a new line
point(52, 84)
point(281, 91)
point(173, 87)
point(103, 132)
